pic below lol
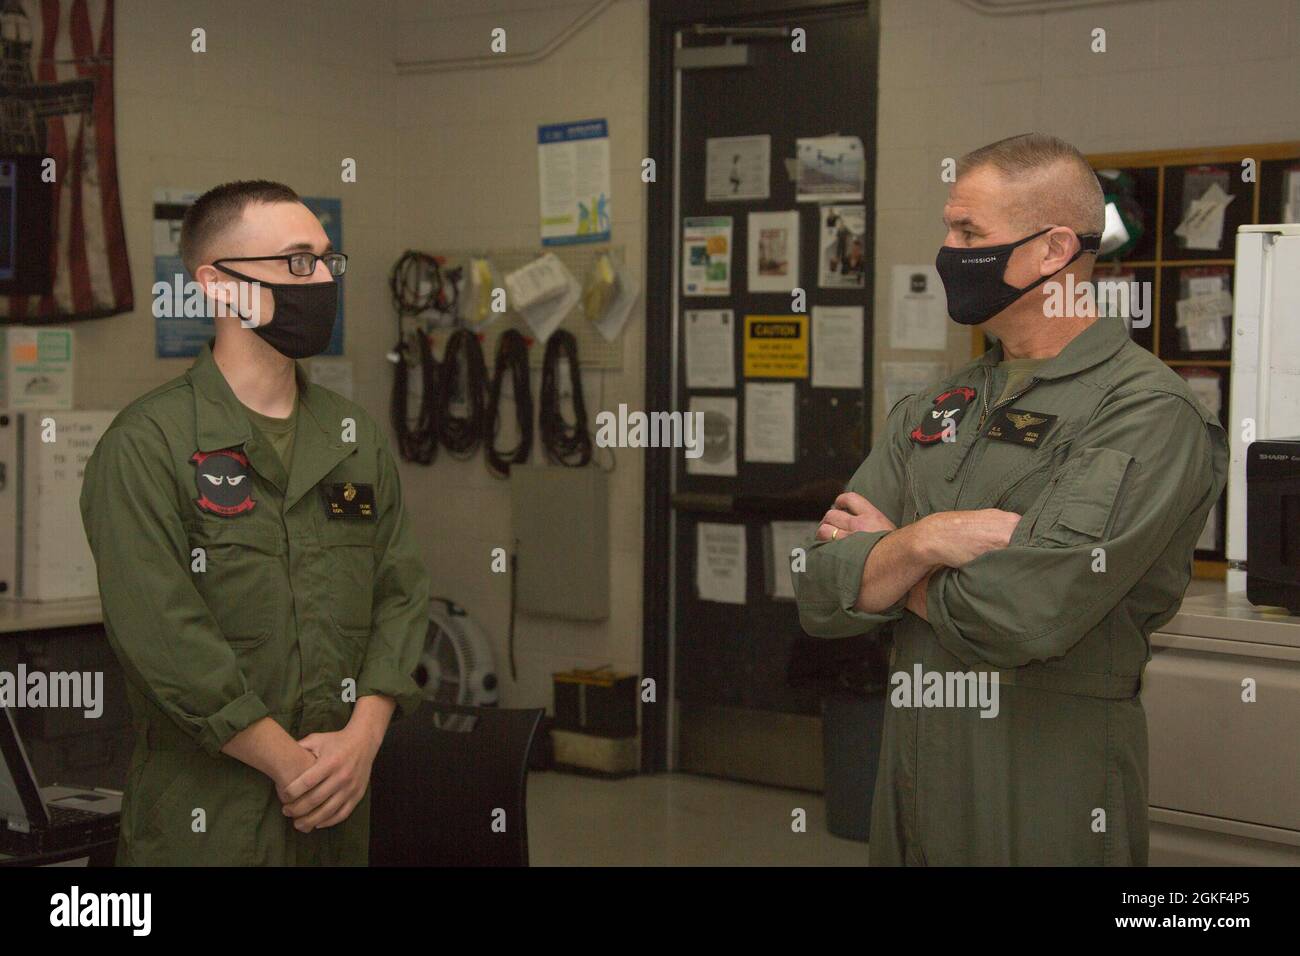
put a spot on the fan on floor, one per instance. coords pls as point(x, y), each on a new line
point(456, 666)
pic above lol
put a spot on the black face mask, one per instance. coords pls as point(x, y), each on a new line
point(303, 320)
point(972, 277)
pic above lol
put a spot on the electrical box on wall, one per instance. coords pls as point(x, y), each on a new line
point(560, 518)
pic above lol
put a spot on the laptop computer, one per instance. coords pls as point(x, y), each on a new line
point(35, 819)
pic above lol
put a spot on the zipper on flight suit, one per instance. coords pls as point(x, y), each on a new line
point(988, 381)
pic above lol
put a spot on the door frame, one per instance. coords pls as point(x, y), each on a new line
point(666, 18)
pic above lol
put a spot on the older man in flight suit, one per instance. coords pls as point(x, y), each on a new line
point(1031, 517)
point(261, 584)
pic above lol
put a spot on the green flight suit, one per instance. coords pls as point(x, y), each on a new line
point(309, 592)
point(1104, 448)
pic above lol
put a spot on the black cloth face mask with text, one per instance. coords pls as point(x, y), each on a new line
point(972, 277)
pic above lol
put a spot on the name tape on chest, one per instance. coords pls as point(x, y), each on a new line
point(1020, 426)
point(347, 500)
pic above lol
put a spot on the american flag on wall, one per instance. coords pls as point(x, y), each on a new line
point(56, 101)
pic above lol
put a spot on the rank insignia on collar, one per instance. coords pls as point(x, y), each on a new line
point(1020, 427)
point(225, 487)
point(347, 500)
point(947, 412)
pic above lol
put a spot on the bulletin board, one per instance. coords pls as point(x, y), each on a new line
point(594, 352)
point(787, 394)
point(1161, 186)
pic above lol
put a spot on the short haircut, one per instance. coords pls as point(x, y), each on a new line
point(220, 208)
point(1054, 184)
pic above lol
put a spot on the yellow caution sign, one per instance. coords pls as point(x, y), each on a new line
point(776, 346)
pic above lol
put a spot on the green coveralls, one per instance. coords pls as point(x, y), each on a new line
point(307, 585)
point(1104, 448)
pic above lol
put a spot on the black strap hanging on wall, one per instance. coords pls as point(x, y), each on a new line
point(404, 281)
point(565, 444)
point(461, 435)
point(512, 356)
point(419, 443)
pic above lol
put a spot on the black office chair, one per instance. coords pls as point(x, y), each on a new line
point(439, 782)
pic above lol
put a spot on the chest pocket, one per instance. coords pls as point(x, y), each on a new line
point(241, 581)
point(1082, 499)
point(349, 548)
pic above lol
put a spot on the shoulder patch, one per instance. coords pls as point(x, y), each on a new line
point(225, 487)
point(949, 409)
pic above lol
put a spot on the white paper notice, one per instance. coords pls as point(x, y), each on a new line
point(786, 536)
point(738, 167)
point(720, 436)
point(1201, 315)
point(720, 562)
point(710, 348)
point(837, 333)
point(908, 378)
point(551, 289)
point(706, 255)
point(1206, 285)
point(918, 317)
point(1202, 226)
point(1202, 308)
point(773, 251)
point(1206, 389)
point(769, 422)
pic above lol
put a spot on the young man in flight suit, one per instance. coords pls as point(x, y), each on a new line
point(260, 581)
point(1032, 516)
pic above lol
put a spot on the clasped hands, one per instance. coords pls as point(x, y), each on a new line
point(943, 539)
point(337, 772)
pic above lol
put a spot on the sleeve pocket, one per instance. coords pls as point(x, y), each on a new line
point(1086, 497)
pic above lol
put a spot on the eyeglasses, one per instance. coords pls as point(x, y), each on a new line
point(301, 263)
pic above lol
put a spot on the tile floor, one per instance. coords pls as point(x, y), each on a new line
point(677, 820)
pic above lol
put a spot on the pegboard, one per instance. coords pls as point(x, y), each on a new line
point(593, 351)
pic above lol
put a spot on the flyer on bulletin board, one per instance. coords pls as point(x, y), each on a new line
point(706, 255)
point(776, 346)
point(573, 170)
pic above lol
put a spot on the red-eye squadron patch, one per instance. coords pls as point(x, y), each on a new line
point(950, 406)
point(225, 487)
